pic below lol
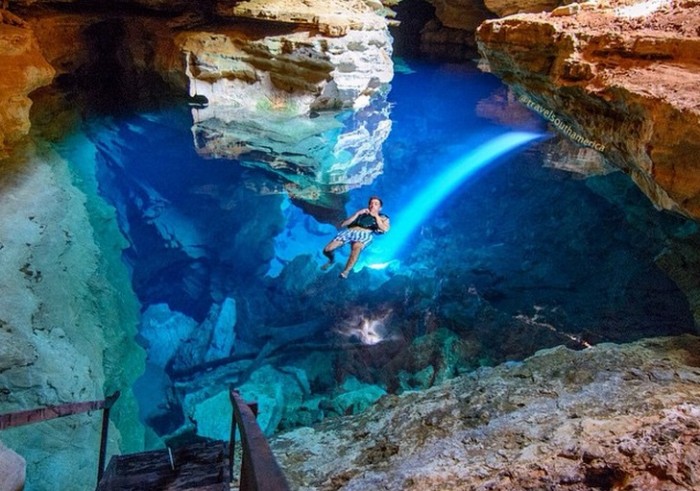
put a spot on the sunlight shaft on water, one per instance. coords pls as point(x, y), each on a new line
point(426, 200)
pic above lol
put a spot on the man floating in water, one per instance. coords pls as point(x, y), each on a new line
point(361, 227)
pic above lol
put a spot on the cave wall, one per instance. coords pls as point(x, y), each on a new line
point(70, 316)
point(67, 322)
point(617, 82)
point(622, 83)
point(24, 69)
point(539, 55)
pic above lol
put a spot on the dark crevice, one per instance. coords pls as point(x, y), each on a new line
point(413, 15)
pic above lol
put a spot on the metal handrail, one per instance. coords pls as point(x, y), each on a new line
point(21, 418)
point(259, 468)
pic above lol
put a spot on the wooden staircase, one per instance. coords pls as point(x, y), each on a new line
point(199, 466)
point(203, 466)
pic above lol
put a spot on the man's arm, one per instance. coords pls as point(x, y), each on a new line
point(382, 223)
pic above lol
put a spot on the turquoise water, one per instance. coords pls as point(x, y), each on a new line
point(484, 264)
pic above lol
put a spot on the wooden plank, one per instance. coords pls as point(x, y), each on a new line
point(198, 466)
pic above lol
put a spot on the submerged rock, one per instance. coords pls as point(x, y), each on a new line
point(12, 470)
point(163, 332)
point(596, 418)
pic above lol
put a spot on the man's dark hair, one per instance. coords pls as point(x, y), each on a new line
point(381, 203)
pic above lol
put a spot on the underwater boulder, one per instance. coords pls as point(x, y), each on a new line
point(12, 470)
point(162, 331)
point(356, 396)
point(277, 395)
point(431, 359)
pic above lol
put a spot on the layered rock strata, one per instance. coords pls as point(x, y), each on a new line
point(24, 69)
point(330, 18)
point(275, 81)
point(615, 77)
point(274, 85)
point(502, 8)
point(264, 93)
point(299, 60)
point(606, 417)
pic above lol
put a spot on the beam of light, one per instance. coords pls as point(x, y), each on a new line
point(418, 210)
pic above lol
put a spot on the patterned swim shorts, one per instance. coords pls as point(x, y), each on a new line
point(355, 235)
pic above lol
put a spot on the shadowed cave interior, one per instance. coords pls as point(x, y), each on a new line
point(206, 218)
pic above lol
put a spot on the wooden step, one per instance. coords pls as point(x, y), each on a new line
point(200, 466)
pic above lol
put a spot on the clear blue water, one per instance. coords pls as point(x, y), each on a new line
point(516, 258)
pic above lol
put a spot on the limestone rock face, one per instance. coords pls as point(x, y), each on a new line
point(567, 156)
point(617, 78)
point(277, 82)
point(61, 334)
point(460, 14)
point(330, 18)
point(62, 40)
point(680, 260)
point(267, 87)
point(450, 35)
point(297, 69)
point(503, 8)
point(563, 419)
point(24, 69)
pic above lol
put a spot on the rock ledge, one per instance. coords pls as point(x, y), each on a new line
point(619, 77)
point(563, 419)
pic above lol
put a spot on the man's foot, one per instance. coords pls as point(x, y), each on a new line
point(327, 265)
point(344, 275)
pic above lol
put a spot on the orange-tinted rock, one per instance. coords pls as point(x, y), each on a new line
point(620, 81)
point(503, 8)
point(462, 15)
point(62, 39)
point(24, 69)
point(330, 18)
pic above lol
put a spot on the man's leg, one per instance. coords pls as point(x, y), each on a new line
point(328, 251)
point(356, 248)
